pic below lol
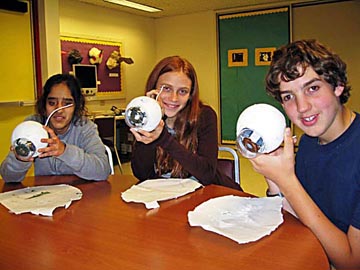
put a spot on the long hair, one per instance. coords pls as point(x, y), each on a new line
point(290, 62)
point(75, 89)
point(186, 120)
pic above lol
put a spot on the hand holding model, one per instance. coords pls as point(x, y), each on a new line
point(260, 129)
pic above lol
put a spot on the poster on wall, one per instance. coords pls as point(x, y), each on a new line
point(101, 53)
point(238, 58)
point(263, 56)
point(246, 44)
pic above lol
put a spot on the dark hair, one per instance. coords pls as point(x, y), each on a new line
point(75, 89)
point(289, 62)
point(186, 120)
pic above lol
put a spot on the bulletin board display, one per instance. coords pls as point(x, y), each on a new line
point(247, 41)
point(110, 80)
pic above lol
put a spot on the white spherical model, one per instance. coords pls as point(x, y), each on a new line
point(260, 129)
point(26, 138)
point(143, 113)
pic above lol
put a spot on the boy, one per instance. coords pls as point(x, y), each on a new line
point(323, 186)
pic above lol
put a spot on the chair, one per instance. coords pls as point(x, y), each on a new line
point(109, 154)
point(229, 166)
point(107, 133)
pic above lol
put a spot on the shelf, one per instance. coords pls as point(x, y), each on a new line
point(17, 103)
point(23, 103)
point(103, 97)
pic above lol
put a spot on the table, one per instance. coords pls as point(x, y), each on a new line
point(101, 231)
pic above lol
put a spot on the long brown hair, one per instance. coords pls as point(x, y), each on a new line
point(186, 120)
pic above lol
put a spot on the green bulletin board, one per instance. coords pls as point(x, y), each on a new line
point(246, 43)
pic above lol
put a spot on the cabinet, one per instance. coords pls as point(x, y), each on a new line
point(125, 140)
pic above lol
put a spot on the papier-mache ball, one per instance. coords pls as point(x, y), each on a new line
point(143, 113)
point(26, 138)
point(260, 129)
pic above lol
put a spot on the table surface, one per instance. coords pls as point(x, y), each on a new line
point(101, 231)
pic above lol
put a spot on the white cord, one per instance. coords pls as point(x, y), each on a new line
point(54, 111)
point(161, 88)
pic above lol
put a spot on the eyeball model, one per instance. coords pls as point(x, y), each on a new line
point(260, 129)
point(143, 113)
point(26, 138)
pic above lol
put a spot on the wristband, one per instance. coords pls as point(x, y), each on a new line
point(268, 194)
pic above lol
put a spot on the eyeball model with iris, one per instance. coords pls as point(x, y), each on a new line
point(260, 129)
point(26, 138)
point(143, 113)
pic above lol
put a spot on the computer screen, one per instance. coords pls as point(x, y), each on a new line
point(87, 76)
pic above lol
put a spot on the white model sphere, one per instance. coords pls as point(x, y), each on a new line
point(143, 113)
point(260, 129)
point(26, 138)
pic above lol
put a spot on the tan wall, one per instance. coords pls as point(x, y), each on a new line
point(338, 26)
point(193, 37)
point(16, 72)
point(136, 33)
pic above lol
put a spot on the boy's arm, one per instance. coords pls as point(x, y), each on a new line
point(342, 249)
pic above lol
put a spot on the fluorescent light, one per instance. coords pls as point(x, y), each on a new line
point(133, 5)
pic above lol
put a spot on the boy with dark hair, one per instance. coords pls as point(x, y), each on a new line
point(321, 184)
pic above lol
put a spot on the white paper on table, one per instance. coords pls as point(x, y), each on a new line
point(150, 192)
point(241, 219)
point(40, 200)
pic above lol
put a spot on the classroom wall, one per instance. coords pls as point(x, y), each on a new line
point(193, 37)
point(341, 33)
point(49, 38)
point(16, 72)
point(136, 33)
point(66, 17)
point(338, 26)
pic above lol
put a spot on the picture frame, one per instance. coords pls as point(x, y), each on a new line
point(238, 58)
point(263, 56)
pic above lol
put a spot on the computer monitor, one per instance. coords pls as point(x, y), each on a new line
point(87, 76)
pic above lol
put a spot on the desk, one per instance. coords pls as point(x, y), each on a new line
point(124, 138)
point(101, 231)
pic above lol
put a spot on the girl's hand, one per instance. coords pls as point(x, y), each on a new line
point(55, 146)
point(153, 93)
point(21, 158)
point(148, 137)
point(156, 94)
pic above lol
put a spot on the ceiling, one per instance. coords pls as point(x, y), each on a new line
point(180, 7)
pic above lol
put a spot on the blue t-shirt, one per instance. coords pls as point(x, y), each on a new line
point(331, 175)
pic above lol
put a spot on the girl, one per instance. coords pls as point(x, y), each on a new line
point(185, 143)
point(73, 146)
